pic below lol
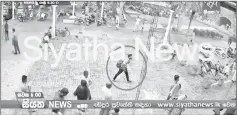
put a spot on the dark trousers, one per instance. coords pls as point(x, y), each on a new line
point(6, 35)
point(121, 71)
point(16, 47)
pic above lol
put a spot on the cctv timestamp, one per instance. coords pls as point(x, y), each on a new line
point(52, 3)
point(32, 104)
point(29, 95)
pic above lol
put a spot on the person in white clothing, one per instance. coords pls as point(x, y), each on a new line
point(108, 96)
point(226, 70)
point(137, 24)
point(87, 78)
point(46, 38)
point(117, 21)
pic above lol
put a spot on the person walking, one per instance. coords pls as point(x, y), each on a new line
point(59, 96)
point(108, 96)
point(15, 42)
point(122, 65)
point(6, 31)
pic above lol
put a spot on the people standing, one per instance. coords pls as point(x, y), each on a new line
point(178, 111)
point(226, 70)
point(117, 21)
point(230, 41)
point(26, 88)
point(6, 31)
point(83, 93)
point(86, 77)
point(108, 96)
point(24, 85)
point(137, 24)
point(59, 96)
point(15, 42)
point(174, 89)
point(122, 65)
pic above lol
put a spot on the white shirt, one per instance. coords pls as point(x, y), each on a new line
point(46, 38)
point(24, 87)
point(88, 80)
point(226, 69)
point(138, 21)
point(107, 93)
point(42, 15)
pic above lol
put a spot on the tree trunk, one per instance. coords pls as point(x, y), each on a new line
point(114, 4)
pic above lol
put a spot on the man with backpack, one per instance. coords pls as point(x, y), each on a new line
point(122, 65)
point(83, 93)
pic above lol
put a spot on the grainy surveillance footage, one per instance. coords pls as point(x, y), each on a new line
point(118, 58)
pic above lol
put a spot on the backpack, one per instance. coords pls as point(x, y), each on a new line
point(119, 63)
point(82, 93)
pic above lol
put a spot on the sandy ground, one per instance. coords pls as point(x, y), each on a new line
point(68, 74)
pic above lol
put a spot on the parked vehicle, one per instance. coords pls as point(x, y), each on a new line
point(101, 21)
point(230, 53)
point(220, 52)
point(43, 17)
point(63, 32)
point(21, 17)
point(79, 21)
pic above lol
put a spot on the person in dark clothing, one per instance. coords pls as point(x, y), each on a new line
point(15, 42)
point(229, 111)
point(116, 111)
point(6, 31)
point(82, 92)
point(123, 68)
point(230, 41)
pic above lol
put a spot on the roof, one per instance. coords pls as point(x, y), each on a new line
point(229, 5)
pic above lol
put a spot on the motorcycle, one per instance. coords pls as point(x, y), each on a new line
point(230, 53)
point(79, 21)
point(63, 32)
point(101, 21)
point(90, 20)
point(21, 17)
point(220, 52)
point(31, 15)
point(43, 17)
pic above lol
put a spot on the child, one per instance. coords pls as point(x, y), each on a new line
point(115, 112)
